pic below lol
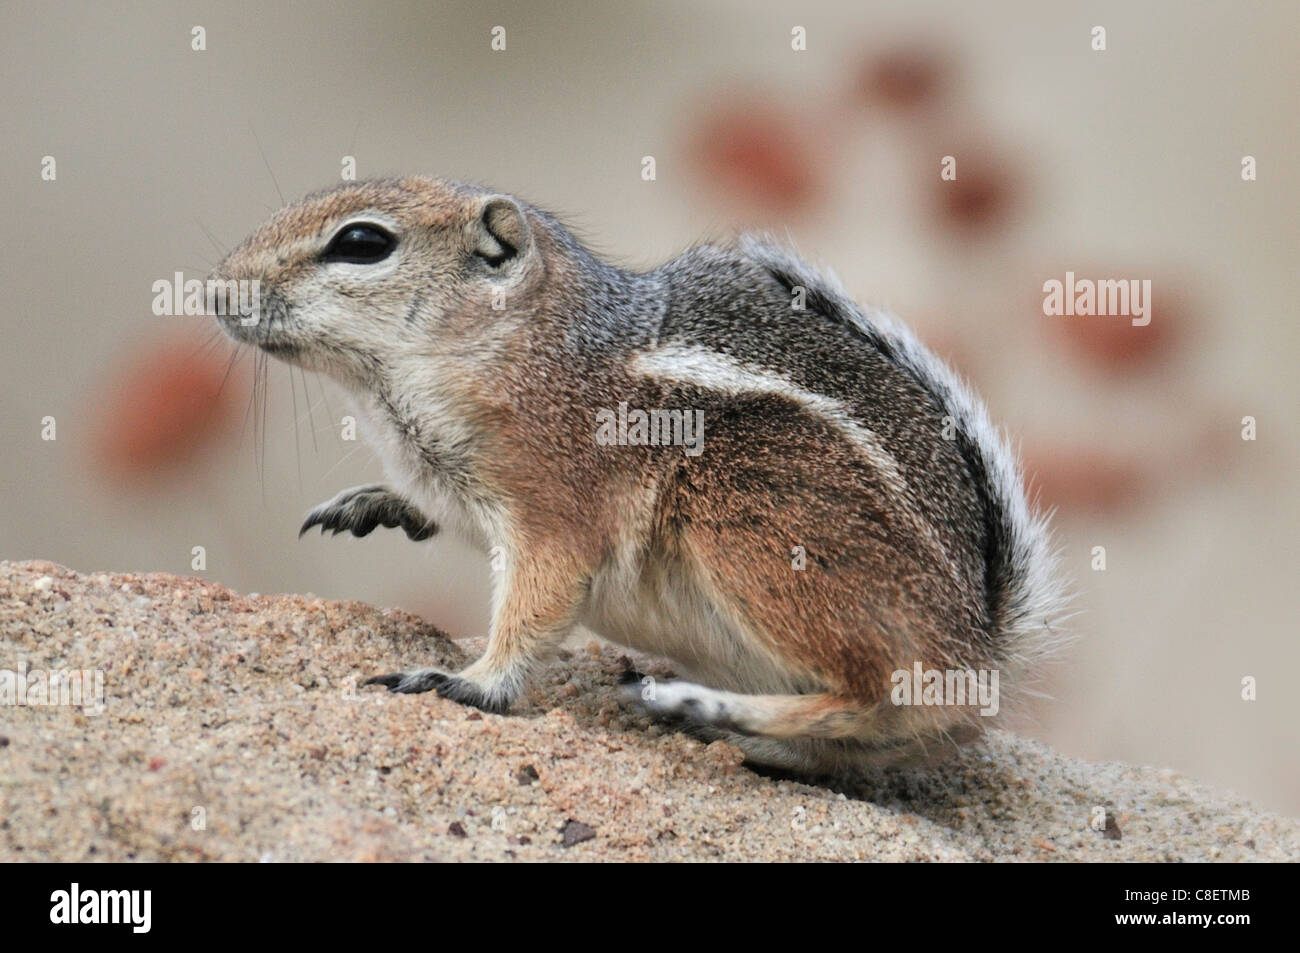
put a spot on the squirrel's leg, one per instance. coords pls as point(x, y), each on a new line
point(774, 716)
point(536, 610)
point(360, 509)
point(805, 734)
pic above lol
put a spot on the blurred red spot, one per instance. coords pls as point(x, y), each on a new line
point(979, 197)
point(758, 154)
point(1082, 479)
point(1115, 344)
point(905, 78)
point(164, 407)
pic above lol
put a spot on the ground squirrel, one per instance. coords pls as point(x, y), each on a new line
point(722, 461)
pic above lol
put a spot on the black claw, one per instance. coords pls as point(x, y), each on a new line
point(448, 686)
point(411, 684)
point(418, 532)
point(366, 509)
point(425, 683)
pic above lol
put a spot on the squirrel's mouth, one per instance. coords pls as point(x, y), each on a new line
point(265, 338)
point(263, 327)
point(281, 349)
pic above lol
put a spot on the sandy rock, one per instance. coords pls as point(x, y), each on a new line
point(233, 729)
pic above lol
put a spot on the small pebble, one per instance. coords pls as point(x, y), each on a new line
point(575, 832)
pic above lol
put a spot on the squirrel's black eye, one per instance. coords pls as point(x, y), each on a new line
point(360, 245)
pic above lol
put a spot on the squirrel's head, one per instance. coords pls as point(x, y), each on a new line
point(354, 278)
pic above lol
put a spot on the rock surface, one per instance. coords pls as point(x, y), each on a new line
point(232, 730)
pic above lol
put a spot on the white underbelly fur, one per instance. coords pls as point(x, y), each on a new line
point(663, 610)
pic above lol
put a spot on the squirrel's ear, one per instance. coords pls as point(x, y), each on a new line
point(500, 234)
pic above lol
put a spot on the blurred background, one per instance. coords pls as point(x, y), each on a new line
point(1122, 163)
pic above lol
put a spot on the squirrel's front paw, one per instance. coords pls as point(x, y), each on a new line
point(454, 687)
point(360, 509)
